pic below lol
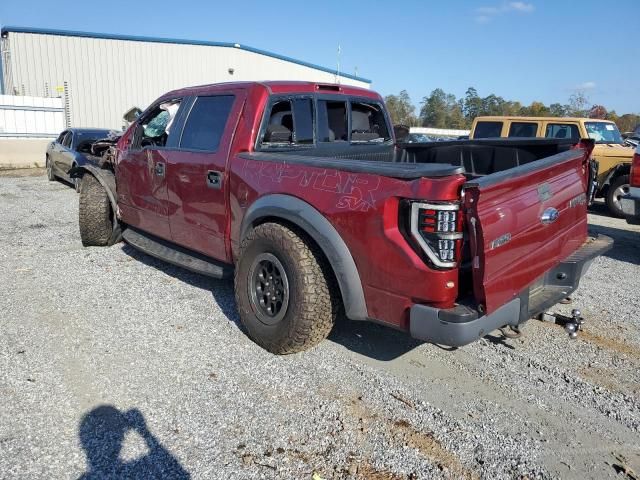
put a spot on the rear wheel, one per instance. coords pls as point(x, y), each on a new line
point(284, 290)
point(618, 188)
point(95, 217)
point(49, 166)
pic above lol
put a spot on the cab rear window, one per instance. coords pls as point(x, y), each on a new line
point(290, 122)
point(488, 130)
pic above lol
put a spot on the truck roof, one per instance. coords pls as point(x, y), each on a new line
point(277, 86)
point(537, 119)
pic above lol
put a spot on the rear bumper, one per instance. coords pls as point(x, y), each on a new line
point(630, 204)
point(462, 325)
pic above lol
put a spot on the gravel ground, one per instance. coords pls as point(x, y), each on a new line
point(115, 364)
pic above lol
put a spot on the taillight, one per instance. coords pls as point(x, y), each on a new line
point(634, 176)
point(437, 227)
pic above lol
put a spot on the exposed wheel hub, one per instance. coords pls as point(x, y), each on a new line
point(620, 192)
point(268, 288)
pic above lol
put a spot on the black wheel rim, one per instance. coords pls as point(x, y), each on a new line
point(268, 288)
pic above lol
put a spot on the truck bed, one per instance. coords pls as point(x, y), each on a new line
point(473, 158)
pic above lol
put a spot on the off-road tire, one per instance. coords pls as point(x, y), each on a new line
point(613, 203)
point(314, 300)
point(94, 214)
point(50, 175)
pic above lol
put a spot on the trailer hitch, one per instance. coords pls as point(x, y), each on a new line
point(572, 325)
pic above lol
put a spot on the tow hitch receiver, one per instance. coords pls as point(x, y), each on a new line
point(572, 325)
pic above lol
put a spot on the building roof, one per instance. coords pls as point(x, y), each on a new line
point(136, 38)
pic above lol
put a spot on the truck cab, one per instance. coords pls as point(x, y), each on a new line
point(610, 152)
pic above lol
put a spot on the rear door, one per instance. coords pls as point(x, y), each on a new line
point(60, 150)
point(524, 221)
point(197, 173)
point(67, 154)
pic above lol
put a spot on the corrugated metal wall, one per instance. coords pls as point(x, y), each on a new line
point(103, 78)
point(37, 117)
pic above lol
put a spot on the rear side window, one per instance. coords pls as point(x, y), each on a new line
point(562, 130)
point(66, 141)
point(290, 123)
point(368, 123)
point(332, 121)
point(488, 130)
point(523, 129)
point(206, 122)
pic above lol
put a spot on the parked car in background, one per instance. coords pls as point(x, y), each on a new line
point(300, 192)
point(611, 153)
point(418, 138)
point(70, 149)
point(631, 201)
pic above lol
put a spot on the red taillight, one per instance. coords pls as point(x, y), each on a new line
point(634, 176)
point(437, 227)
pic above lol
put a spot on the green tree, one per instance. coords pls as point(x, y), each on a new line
point(472, 104)
point(557, 110)
point(401, 109)
point(536, 109)
point(433, 112)
point(628, 121)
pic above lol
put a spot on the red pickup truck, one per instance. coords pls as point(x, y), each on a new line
point(300, 190)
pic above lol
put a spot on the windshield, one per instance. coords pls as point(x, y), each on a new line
point(603, 132)
point(92, 135)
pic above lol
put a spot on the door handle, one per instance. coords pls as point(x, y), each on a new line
point(214, 179)
point(160, 169)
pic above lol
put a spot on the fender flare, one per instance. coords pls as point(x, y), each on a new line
point(108, 180)
point(312, 222)
point(620, 169)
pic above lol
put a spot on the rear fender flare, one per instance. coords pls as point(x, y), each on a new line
point(620, 169)
point(314, 224)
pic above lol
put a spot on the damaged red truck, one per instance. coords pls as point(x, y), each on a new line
point(302, 193)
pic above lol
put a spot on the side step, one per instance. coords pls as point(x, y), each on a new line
point(175, 254)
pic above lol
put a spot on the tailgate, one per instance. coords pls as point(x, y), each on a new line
point(524, 221)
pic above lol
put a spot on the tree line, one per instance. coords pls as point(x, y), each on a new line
point(444, 110)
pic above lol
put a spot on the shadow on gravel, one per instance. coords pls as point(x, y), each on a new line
point(365, 338)
point(626, 247)
point(102, 432)
point(372, 340)
point(221, 290)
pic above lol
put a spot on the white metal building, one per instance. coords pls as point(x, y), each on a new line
point(100, 76)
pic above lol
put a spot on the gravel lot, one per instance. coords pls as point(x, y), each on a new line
point(115, 364)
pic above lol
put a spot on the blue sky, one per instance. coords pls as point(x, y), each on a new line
point(521, 50)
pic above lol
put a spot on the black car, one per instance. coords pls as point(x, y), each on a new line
point(69, 150)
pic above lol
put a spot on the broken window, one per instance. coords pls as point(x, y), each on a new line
point(290, 123)
point(156, 126)
point(368, 123)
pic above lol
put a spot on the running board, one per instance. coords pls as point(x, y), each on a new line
point(176, 255)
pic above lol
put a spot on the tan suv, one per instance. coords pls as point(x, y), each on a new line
point(613, 157)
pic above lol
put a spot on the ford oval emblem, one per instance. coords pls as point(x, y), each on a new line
point(550, 215)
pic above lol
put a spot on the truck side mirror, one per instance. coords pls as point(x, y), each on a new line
point(132, 114)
